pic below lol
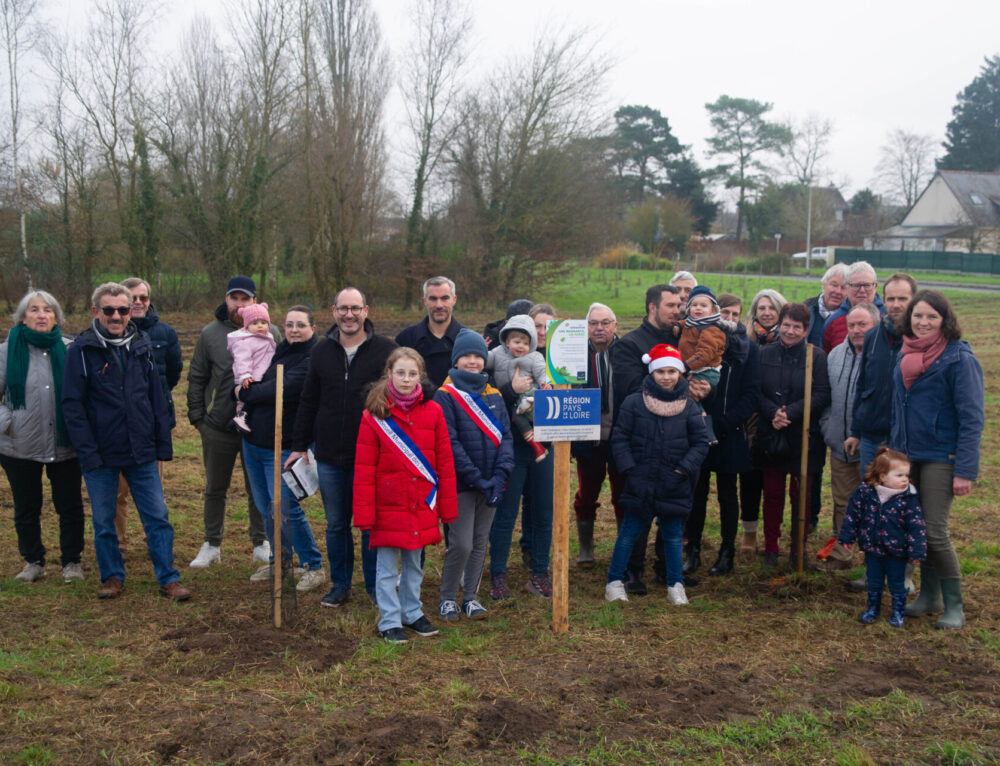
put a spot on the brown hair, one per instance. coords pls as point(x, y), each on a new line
point(797, 312)
point(899, 276)
point(728, 299)
point(377, 401)
point(949, 322)
point(882, 464)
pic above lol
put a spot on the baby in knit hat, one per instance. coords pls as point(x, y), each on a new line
point(252, 348)
point(702, 339)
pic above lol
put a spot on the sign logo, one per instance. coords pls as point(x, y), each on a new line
point(566, 415)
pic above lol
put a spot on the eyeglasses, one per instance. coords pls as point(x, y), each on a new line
point(140, 299)
point(348, 309)
point(602, 323)
point(293, 325)
point(863, 285)
point(109, 311)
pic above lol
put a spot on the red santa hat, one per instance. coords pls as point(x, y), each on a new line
point(662, 355)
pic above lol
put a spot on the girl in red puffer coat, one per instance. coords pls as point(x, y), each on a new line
point(404, 481)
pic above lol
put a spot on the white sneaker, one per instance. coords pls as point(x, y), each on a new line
point(615, 591)
point(262, 552)
point(30, 573)
point(311, 579)
point(676, 594)
point(261, 575)
point(72, 572)
point(209, 554)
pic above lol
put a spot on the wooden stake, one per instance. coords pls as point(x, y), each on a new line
point(560, 537)
point(804, 462)
point(279, 395)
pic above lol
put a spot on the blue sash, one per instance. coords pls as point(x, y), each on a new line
point(480, 414)
point(407, 449)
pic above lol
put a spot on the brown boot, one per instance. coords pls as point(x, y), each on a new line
point(111, 588)
point(175, 591)
point(749, 544)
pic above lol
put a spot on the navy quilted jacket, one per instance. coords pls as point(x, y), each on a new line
point(894, 528)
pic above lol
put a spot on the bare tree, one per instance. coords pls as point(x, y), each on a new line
point(906, 164)
point(431, 88)
point(18, 38)
point(804, 155)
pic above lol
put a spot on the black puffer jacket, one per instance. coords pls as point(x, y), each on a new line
point(333, 395)
point(735, 399)
point(783, 383)
point(259, 396)
point(650, 449)
point(627, 368)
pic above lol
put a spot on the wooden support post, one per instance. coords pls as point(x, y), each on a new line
point(804, 463)
point(560, 537)
point(276, 557)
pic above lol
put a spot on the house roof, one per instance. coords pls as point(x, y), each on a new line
point(977, 193)
point(922, 232)
point(833, 197)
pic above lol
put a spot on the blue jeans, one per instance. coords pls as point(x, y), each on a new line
point(396, 607)
point(336, 485)
point(878, 569)
point(672, 531)
point(147, 493)
point(295, 530)
point(534, 479)
point(869, 446)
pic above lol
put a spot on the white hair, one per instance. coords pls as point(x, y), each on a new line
point(601, 306)
point(683, 275)
point(860, 266)
point(837, 270)
point(48, 298)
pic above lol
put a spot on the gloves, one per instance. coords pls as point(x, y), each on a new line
point(494, 492)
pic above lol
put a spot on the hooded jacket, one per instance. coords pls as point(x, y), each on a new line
point(210, 374)
point(333, 394)
point(502, 365)
point(166, 352)
point(114, 406)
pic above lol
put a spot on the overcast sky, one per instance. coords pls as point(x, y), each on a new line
point(869, 66)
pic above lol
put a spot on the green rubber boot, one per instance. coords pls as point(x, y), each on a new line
point(929, 601)
point(585, 534)
point(953, 617)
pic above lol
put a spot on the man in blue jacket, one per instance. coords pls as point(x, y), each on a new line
point(117, 419)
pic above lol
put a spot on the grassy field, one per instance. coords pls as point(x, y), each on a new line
point(758, 669)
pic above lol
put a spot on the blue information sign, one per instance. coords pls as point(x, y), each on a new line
point(568, 415)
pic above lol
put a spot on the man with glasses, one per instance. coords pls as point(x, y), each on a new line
point(117, 420)
point(433, 337)
point(592, 463)
point(342, 366)
point(167, 355)
point(211, 408)
point(862, 287)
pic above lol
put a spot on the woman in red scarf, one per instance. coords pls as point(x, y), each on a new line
point(937, 422)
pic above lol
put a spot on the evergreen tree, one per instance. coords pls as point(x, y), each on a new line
point(973, 135)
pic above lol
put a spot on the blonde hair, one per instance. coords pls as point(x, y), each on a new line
point(377, 401)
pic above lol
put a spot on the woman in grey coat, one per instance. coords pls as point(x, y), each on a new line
point(33, 435)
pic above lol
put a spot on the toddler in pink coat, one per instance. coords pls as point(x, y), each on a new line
point(252, 348)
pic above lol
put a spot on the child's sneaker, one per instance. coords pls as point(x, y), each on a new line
point(498, 587)
point(474, 610)
point(540, 585)
point(615, 591)
point(676, 594)
point(540, 452)
point(448, 610)
point(240, 421)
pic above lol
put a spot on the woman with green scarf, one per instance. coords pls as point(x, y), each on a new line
point(33, 435)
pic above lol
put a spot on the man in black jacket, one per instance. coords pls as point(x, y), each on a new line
point(434, 335)
point(342, 367)
point(663, 312)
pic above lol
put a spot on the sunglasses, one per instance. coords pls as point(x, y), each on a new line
point(123, 311)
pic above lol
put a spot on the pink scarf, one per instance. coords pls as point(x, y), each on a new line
point(405, 403)
point(918, 354)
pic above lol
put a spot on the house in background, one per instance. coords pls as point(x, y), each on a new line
point(959, 211)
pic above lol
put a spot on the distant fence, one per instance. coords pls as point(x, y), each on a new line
point(923, 260)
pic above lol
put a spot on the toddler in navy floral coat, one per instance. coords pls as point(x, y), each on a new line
point(884, 515)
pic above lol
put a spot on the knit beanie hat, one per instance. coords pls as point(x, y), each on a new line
point(662, 355)
point(702, 290)
point(468, 342)
point(253, 312)
point(520, 306)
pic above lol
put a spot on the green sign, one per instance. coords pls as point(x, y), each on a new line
point(566, 351)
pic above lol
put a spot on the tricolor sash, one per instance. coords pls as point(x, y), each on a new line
point(407, 449)
point(474, 407)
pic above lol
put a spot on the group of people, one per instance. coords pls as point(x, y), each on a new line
point(435, 426)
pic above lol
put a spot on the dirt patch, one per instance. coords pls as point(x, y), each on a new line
point(510, 722)
point(379, 740)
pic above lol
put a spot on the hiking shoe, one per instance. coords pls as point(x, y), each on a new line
point(175, 591)
point(474, 610)
point(421, 626)
point(448, 610)
point(310, 580)
point(209, 554)
point(336, 597)
point(637, 587)
point(770, 561)
point(72, 572)
point(262, 552)
point(31, 573)
point(498, 587)
point(240, 421)
point(111, 588)
point(615, 591)
point(676, 594)
point(540, 585)
point(394, 636)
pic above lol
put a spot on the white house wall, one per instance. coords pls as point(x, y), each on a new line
point(937, 206)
